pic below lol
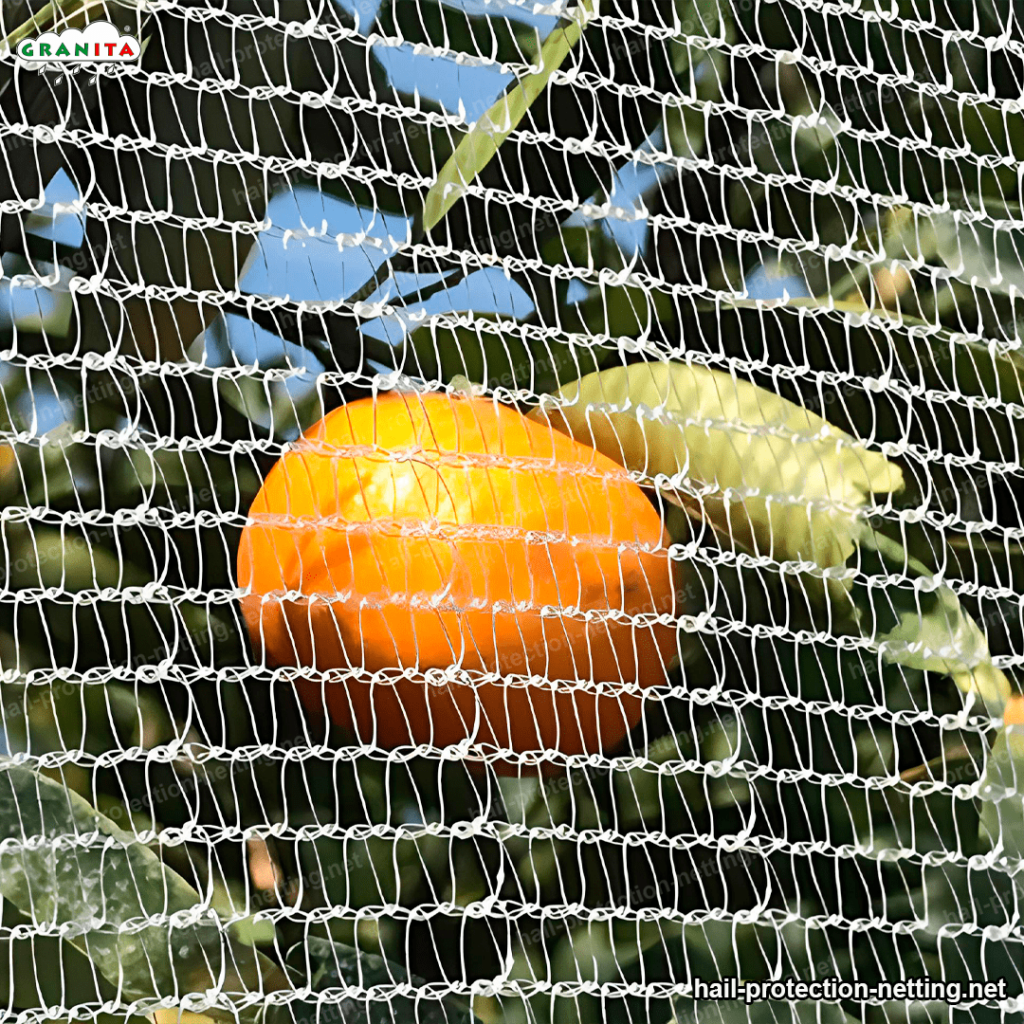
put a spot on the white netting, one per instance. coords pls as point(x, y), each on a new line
point(777, 740)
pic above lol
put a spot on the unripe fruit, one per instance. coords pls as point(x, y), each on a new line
point(1013, 713)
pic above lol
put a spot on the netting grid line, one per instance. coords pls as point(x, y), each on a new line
point(509, 511)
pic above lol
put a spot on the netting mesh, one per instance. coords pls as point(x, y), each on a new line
point(703, 670)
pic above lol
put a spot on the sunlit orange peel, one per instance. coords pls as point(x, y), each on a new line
point(409, 534)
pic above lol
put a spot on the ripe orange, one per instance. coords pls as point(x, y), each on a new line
point(408, 535)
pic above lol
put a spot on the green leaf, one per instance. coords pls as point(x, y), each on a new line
point(697, 18)
point(933, 633)
point(481, 142)
point(690, 1011)
point(686, 127)
point(166, 468)
point(69, 978)
point(270, 405)
point(986, 254)
point(496, 360)
point(803, 143)
point(191, 479)
point(617, 310)
point(625, 311)
point(230, 900)
point(50, 557)
point(1002, 810)
point(582, 245)
point(686, 130)
point(60, 469)
point(593, 950)
point(748, 458)
point(66, 865)
point(334, 967)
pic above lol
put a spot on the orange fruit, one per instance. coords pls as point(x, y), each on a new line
point(472, 574)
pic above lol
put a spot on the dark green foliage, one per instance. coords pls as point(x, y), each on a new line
point(330, 967)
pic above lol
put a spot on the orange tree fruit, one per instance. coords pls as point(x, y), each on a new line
point(408, 535)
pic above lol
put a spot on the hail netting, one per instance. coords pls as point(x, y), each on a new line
point(206, 250)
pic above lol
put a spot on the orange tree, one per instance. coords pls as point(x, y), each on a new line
point(803, 773)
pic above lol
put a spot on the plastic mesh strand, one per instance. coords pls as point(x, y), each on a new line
point(787, 805)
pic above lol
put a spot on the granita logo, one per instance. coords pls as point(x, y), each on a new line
point(98, 41)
